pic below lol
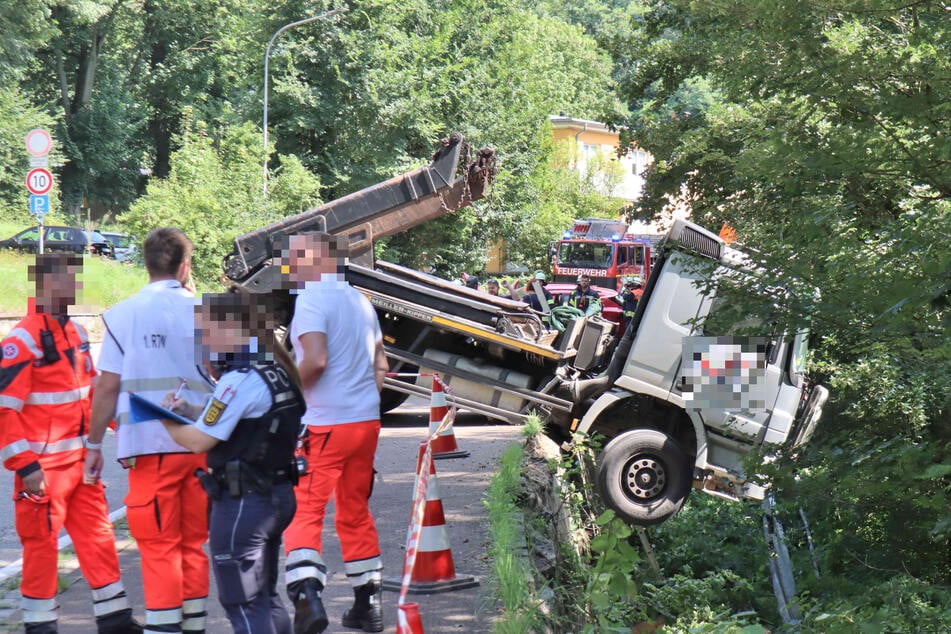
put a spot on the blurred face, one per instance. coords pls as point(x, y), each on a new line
point(585, 281)
point(306, 259)
point(56, 288)
point(492, 288)
point(218, 338)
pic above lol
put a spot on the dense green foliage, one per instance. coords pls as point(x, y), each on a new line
point(355, 97)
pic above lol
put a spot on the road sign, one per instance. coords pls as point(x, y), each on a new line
point(39, 181)
point(38, 142)
point(39, 161)
point(40, 206)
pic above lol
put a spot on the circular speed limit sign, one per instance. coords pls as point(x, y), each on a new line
point(39, 181)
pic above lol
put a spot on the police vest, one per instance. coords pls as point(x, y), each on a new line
point(155, 331)
point(265, 443)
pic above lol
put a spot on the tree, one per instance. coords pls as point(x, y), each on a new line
point(819, 133)
point(367, 94)
point(213, 194)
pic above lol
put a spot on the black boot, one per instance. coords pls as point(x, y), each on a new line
point(46, 627)
point(119, 622)
point(309, 614)
point(367, 611)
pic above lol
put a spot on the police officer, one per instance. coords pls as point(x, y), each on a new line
point(249, 428)
point(45, 380)
point(585, 298)
point(630, 295)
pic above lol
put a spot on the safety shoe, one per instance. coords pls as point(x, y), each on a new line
point(46, 627)
point(120, 622)
point(309, 614)
point(367, 611)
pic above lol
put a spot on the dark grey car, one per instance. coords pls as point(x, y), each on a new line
point(55, 238)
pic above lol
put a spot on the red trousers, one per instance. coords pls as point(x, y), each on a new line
point(82, 510)
point(167, 512)
point(340, 463)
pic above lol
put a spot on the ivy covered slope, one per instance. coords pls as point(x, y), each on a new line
point(819, 132)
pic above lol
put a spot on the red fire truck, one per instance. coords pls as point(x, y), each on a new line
point(603, 250)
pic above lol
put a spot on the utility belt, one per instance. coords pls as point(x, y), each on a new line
point(239, 478)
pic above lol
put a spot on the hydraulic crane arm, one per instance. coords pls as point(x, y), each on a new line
point(376, 212)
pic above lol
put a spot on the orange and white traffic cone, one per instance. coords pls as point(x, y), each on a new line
point(444, 445)
point(408, 620)
point(433, 570)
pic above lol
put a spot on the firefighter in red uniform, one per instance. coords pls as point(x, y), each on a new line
point(46, 377)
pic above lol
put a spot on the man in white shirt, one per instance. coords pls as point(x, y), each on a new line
point(149, 349)
point(339, 351)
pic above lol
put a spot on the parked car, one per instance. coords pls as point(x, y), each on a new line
point(55, 238)
point(97, 244)
point(123, 246)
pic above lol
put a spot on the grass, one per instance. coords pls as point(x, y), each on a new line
point(104, 282)
point(511, 567)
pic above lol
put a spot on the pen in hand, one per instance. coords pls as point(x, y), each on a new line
point(178, 393)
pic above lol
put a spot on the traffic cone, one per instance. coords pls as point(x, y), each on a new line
point(444, 445)
point(433, 571)
point(408, 621)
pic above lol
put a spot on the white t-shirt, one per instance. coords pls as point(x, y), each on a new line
point(346, 391)
point(238, 395)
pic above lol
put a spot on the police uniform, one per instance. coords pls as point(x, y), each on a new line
point(45, 382)
point(149, 343)
point(255, 412)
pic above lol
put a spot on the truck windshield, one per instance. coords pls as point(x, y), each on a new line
point(586, 254)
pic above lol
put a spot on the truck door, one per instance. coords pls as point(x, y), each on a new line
point(674, 307)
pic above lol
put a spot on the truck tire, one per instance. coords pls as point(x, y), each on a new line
point(391, 399)
point(644, 476)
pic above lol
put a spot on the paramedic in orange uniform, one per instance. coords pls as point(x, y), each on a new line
point(339, 350)
point(46, 377)
point(149, 349)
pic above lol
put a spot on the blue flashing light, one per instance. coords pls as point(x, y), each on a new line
point(615, 237)
point(567, 235)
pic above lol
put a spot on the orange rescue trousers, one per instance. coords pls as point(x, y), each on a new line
point(167, 512)
point(79, 508)
point(340, 464)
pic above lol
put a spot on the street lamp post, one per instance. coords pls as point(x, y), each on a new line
point(267, 60)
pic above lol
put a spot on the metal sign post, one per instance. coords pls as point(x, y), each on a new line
point(39, 180)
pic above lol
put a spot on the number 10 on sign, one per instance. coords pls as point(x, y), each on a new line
point(39, 181)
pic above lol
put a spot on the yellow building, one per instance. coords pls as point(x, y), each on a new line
point(595, 147)
point(595, 143)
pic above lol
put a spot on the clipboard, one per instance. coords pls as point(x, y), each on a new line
point(141, 409)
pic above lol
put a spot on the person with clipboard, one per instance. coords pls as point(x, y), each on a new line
point(249, 429)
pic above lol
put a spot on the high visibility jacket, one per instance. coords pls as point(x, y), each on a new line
point(150, 344)
point(44, 400)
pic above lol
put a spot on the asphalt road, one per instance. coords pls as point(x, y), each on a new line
point(462, 484)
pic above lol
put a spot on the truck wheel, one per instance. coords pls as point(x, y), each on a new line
point(644, 476)
point(391, 399)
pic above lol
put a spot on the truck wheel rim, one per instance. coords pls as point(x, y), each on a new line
point(645, 478)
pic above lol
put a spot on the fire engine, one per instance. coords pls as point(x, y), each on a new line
point(603, 250)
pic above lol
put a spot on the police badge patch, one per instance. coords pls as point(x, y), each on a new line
point(215, 408)
point(218, 405)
